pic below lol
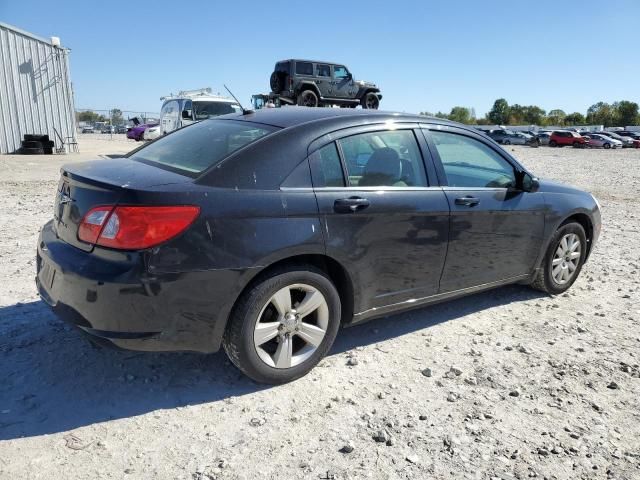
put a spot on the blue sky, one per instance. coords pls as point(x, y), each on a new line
point(425, 55)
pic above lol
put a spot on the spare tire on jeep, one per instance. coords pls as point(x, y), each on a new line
point(277, 82)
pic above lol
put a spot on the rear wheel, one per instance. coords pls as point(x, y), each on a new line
point(370, 101)
point(506, 142)
point(308, 98)
point(283, 326)
point(553, 143)
point(563, 260)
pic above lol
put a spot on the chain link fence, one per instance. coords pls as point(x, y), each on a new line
point(114, 120)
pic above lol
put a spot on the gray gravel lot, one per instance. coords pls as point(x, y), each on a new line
point(505, 384)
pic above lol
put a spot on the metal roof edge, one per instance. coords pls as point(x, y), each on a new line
point(27, 34)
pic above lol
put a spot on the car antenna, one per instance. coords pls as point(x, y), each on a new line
point(245, 111)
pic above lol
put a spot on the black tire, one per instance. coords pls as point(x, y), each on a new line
point(33, 151)
point(607, 146)
point(506, 142)
point(577, 145)
point(277, 82)
point(48, 150)
point(30, 137)
point(553, 143)
point(32, 144)
point(370, 101)
point(238, 338)
point(544, 280)
point(308, 98)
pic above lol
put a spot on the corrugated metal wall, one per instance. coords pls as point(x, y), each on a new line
point(35, 89)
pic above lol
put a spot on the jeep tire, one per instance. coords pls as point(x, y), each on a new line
point(308, 98)
point(370, 101)
point(277, 82)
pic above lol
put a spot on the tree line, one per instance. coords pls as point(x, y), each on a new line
point(617, 114)
point(89, 116)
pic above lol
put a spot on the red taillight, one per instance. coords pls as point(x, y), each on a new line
point(135, 228)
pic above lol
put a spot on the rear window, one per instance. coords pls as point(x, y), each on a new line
point(193, 149)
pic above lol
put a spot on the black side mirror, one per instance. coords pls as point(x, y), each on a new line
point(186, 114)
point(529, 183)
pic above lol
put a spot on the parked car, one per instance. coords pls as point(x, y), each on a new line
point(191, 106)
point(152, 133)
point(630, 134)
point(597, 140)
point(508, 137)
point(544, 138)
point(108, 129)
point(626, 141)
point(264, 233)
point(121, 129)
point(562, 138)
point(137, 132)
point(87, 129)
point(313, 84)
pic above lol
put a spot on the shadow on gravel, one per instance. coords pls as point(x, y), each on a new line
point(53, 380)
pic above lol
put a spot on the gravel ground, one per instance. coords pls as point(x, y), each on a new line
point(505, 384)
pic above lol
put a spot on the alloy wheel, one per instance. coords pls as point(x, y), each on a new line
point(291, 326)
point(566, 258)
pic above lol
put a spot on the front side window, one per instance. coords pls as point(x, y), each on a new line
point(199, 146)
point(340, 72)
point(204, 110)
point(470, 163)
point(304, 68)
point(388, 158)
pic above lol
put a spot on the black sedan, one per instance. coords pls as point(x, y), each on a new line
point(265, 232)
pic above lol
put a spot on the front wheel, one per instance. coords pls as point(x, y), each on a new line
point(283, 326)
point(308, 98)
point(370, 101)
point(563, 260)
point(607, 146)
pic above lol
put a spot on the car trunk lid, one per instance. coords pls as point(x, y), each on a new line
point(86, 185)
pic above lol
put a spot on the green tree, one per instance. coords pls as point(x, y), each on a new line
point(602, 113)
point(462, 115)
point(89, 117)
point(499, 113)
point(116, 116)
point(575, 118)
point(627, 113)
point(556, 117)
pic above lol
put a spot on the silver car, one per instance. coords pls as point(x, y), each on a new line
point(598, 140)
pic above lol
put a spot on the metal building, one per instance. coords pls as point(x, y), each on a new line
point(35, 90)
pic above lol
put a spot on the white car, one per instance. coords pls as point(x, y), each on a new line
point(191, 106)
point(152, 133)
point(597, 140)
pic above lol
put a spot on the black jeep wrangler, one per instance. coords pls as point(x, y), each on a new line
point(312, 84)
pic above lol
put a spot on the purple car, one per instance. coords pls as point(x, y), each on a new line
point(137, 132)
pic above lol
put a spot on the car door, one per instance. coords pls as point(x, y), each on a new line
point(496, 227)
point(343, 85)
point(324, 80)
point(381, 217)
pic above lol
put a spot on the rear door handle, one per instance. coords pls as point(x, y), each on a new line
point(467, 201)
point(350, 205)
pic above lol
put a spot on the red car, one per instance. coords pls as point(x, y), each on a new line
point(562, 138)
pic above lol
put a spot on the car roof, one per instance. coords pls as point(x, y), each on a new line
point(310, 61)
point(293, 116)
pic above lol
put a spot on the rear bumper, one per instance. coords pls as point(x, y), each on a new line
point(111, 297)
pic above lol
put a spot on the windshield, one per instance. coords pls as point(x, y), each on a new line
point(199, 146)
point(204, 110)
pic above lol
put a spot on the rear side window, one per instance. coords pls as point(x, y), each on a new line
point(326, 167)
point(193, 149)
point(304, 68)
point(388, 158)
